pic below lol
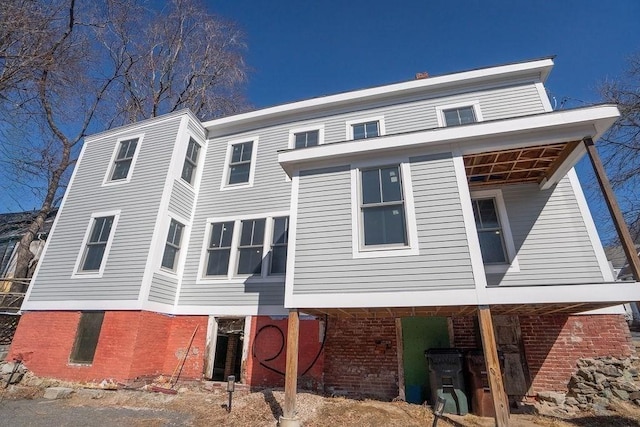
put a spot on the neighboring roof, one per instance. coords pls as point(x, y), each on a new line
point(14, 225)
point(537, 67)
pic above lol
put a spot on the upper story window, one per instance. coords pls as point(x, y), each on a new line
point(123, 160)
point(370, 127)
point(383, 213)
point(306, 139)
point(96, 244)
point(238, 248)
point(190, 161)
point(494, 233)
point(172, 247)
point(459, 116)
point(240, 164)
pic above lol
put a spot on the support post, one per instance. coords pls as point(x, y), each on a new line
point(400, 353)
point(494, 375)
point(610, 199)
point(288, 418)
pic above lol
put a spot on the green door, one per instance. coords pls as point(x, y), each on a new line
point(420, 334)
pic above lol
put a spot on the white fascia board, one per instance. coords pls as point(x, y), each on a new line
point(617, 292)
point(571, 160)
point(232, 310)
point(537, 69)
point(545, 128)
point(82, 305)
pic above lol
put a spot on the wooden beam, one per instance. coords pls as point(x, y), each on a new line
point(400, 353)
point(564, 155)
point(494, 375)
point(291, 371)
point(618, 220)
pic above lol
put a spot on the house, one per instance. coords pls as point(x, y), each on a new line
point(403, 217)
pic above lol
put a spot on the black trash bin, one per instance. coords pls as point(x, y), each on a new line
point(481, 398)
point(446, 379)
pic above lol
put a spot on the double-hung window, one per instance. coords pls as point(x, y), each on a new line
point(190, 161)
point(251, 246)
point(240, 163)
point(124, 159)
point(306, 139)
point(219, 249)
point(96, 244)
point(172, 247)
point(279, 245)
point(366, 130)
point(383, 207)
point(490, 233)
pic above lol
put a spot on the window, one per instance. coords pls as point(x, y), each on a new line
point(87, 335)
point(366, 130)
point(96, 245)
point(190, 161)
point(251, 246)
point(239, 247)
point(459, 116)
point(124, 159)
point(279, 245)
point(219, 250)
point(382, 207)
point(489, 231)
point(240, 164)
point(306, 139)
point(172, 248)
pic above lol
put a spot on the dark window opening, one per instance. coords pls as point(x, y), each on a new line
point(87, 335)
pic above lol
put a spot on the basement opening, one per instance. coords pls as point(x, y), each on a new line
point(228, 351)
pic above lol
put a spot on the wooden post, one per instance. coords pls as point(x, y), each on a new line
point(494, 375)
point(400, 354)
point(288, 418)
point(618, 220)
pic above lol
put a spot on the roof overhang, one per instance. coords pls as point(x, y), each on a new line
point(536, 70)
point(557, 127)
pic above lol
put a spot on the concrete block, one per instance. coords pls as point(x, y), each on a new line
point(57, 393)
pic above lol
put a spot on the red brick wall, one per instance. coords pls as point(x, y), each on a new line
point(553, 345)
point(131, 344)
point(360, 358)
point(464, 333)
point(269, 341)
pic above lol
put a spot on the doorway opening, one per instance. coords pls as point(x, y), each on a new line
point(228, 350)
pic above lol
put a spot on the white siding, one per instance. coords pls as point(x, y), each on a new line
point(181, 201)
point(163, 289)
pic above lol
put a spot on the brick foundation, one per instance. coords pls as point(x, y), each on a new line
point(132, 344)
point(361, 358)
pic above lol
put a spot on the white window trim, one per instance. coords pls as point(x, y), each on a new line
point(292, 134)
point(77, 272)
point(252, 170)
point(512, 265)
point(196, 171)
point(381, 126)
point(441, 108)
point(412, 247)
point(179, 264)
point(107, 176)
point(232, 275)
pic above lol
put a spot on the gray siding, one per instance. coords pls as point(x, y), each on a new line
point(138, 200)
point(163, 289)
point(550, 238)
point(181, 201)
point(324, 257)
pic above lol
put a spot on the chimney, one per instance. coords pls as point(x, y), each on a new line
point(422, 75)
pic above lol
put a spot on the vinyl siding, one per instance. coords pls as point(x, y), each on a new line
point(181, 201)
point(550, 238)
point(324, 255)
point(163, 289)
point(138, 200)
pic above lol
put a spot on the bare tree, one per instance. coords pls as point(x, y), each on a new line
point(622, 143)
point(105, 64)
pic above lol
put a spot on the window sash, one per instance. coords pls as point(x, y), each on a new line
point(190, 161)
point(382, 212)
point(250, 248)
point(279, 246)
point(172, 246)
point(219, 249)
point(307, 139)
point(124, 158)
point(366, 130)
point(97, 243)
point(240, 163)
point(459, 116)
point(490, 233)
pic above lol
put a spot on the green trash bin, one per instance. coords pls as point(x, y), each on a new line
point(446, 379)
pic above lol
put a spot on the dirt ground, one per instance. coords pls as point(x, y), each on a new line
point(195, 406)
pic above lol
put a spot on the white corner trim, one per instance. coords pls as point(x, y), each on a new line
point(107, 176)
point(382, 130)
point(77, 273)
point(503, 218)
point(473, 242)
point(291, 248)
point(475, 104)
point(224, 185)
point(293, 132)
point(544, 98)
point(592, 231)
point(357, 236)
